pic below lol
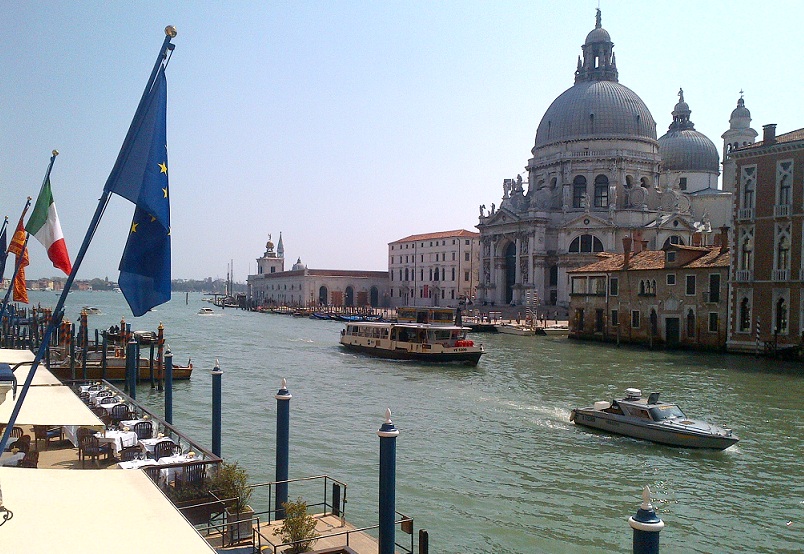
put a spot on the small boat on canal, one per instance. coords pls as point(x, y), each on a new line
point(206, 310)
point(650, 419)
point(412, 341)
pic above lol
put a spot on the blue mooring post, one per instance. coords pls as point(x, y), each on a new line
point(283, 397)
point(646, 525)
point(216, 409)
point(169, 386)
point(388, 434)
point(132, 368)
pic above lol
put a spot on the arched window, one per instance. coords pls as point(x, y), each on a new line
point(601, 192)
point(673, 239)
point(745, 315)
point(579, 192)
point(586, 243)
point(690, 324)
point(644, 183)
point(629, 181)
point(642, 287)
point(653, 286)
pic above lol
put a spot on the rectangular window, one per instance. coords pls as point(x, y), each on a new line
point(467, 242)
point(635, 319)
point(682, 183)
point(599, 320)
point(578, 285)
point(714, 287)
point(579, 195)
point(601, 195)
point(597, 286)
point(453, 256)
point(614, 286)
point(713, 322)
point(671, 256)
point(466, 276)
point(466, 256)
point(690, 290)
point(671, 278)
point(615, 318)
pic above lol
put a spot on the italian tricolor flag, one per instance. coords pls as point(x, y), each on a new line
point(44, 225)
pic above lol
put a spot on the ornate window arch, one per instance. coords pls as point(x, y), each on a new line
point(586, 244)
point(745, 315)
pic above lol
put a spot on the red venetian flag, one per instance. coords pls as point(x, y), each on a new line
point(45, 226)
point(18, 248)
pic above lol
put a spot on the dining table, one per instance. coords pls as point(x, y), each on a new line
point(167, 474)
point(130, 423)
point(150, 444)
point(11, 458)
point(118, 439)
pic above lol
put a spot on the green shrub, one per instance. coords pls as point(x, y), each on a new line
point(231, 482)
point(297, 526)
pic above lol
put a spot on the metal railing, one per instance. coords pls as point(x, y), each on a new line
point(745, 213)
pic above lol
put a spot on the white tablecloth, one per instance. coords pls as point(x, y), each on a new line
point(130, 423)
point(118, 439)
point(166, 475)
point(9, 459)
point(149, 444)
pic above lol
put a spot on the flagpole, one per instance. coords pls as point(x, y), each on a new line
point(16, 266)
point(5, 224)
point(58, 311)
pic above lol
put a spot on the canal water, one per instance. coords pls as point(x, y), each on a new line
point(487, 460)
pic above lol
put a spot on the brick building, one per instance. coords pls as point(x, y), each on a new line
point(767, 305)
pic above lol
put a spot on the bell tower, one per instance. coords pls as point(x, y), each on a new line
point(740, 134)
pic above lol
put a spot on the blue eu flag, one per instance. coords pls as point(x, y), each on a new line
point(141, 176)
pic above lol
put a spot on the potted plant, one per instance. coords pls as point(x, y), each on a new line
point(298, 527)
point(231, 485)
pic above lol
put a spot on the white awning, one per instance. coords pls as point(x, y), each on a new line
point(120, 511)
point(26, 357)
point(51, 406)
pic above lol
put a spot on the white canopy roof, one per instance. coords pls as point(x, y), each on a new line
point(58, 510)
point(44, 405)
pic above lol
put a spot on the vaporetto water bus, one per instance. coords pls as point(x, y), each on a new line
point(412, 341)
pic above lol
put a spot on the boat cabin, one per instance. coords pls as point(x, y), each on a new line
point(410, 333)
point(419, 314)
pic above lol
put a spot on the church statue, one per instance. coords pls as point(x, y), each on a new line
point(482, 210)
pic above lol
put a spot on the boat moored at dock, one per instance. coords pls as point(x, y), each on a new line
point(649, 419)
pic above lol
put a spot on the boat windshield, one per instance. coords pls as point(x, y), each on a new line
point(666, 411)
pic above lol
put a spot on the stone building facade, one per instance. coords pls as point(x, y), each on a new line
point(434, 269)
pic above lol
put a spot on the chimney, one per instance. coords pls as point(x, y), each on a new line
point(724, 240)
point(626, 251)
point(644, 245)
point(696, 239)
point(769, 134)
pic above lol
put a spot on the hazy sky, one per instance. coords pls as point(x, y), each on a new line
point(345, 125)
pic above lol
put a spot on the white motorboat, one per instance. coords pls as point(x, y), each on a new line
point(649, 419)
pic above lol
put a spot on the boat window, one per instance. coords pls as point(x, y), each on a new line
point(667, 411)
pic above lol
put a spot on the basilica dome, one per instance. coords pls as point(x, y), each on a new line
point(596, 109)
point(683, 148)
point(597, 106)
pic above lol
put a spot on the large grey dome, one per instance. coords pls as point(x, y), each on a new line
point(683, 148)
point(596, 109)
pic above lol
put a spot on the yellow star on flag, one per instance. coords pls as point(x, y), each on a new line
point(163, 167)
point(134, 227)
point(165, 191)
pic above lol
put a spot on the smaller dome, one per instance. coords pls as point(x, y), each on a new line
point(598, 35)
point(740, 116)
point(688, 150)
point(269, 245)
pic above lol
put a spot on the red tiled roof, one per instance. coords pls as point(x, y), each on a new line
point(655, 259)
point(440, 235)
point(792, 136)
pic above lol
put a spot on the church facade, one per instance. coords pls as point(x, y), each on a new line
point(599, 174)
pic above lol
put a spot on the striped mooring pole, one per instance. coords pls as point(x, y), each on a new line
point(646, 525)
point(283, 397)
point(387, 497)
